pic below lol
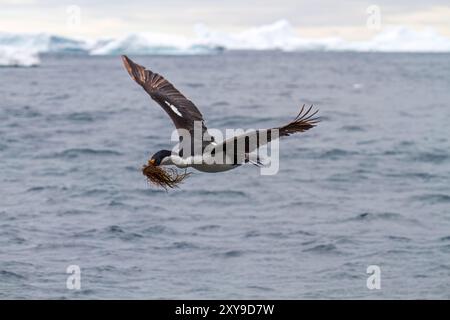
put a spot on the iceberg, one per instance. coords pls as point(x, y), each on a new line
point(150, 43)
point(277, 36)
point(402, 39)
point(43, 43)
point(16, 57)
point(280, 35)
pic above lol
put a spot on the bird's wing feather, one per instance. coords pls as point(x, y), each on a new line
point(181, 110)
point(239, 147)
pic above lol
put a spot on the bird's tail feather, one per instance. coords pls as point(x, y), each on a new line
point(305, 120)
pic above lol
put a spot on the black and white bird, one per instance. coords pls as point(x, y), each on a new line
point(185, 115)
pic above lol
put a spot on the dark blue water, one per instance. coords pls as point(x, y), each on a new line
point(369, 186)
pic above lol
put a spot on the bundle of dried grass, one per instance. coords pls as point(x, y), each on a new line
point(164, 178)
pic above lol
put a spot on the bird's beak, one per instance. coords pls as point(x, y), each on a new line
point(151, 162)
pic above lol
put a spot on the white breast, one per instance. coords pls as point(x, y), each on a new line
point(197, 163)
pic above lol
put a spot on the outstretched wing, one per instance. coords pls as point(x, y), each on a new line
point(237, 149)
point(180, 109)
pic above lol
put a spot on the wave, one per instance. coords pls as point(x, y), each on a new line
point(323, 249)
point(78, 152)
point(280, 35)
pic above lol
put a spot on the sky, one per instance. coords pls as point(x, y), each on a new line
point(319, 18)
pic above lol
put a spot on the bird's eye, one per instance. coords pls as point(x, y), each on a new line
point(152, 162)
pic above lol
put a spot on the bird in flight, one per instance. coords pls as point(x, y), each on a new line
point(200, 150)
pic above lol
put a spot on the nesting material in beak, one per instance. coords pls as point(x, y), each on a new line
point(164, 178)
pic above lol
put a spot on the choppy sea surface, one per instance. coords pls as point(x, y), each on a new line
point(370, 185)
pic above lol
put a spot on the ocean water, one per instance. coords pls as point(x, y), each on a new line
point(370, 185)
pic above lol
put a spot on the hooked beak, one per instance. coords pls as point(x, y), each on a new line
point(151, 162)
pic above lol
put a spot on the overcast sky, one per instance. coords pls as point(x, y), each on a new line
point(318, 18)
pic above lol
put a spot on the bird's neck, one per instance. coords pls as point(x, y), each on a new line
point(181, 162)
point(175, 160)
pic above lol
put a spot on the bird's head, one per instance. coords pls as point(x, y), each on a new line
point(162, 157)
point(167, 177)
